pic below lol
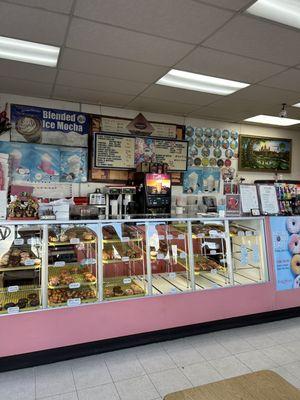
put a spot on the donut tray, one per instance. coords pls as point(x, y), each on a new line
point(78, 278)
point(111, 283)
point(6, 297)
point(73, 294)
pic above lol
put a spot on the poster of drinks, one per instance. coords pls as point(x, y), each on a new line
point(45, 164)
point(49, 126)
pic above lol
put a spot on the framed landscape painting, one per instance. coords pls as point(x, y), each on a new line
point(264, 154)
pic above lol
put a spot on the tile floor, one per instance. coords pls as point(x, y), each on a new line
point(149, 372)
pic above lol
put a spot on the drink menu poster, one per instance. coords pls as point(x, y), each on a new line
point(114, 151)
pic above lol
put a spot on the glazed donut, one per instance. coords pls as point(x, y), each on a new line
point(295, 264)
point(293, 224)
point(294, 244)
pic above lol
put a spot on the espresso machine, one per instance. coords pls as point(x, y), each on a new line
point(153, 194)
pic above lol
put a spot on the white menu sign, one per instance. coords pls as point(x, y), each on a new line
point(172, 152)
point(268, 199)
point(249, 198)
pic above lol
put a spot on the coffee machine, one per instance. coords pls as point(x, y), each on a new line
point(153, 195)
point(120, 200)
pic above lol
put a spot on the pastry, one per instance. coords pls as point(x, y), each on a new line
point(37, 261)
point(293, 224)
point(89, 277)
point(295, 264)
point(9, 305)
point(108, 292)
point(87, 236)
point(118, 291)
point(294, 243)
point(74, 270)
point(22, 303)
point(34, 303)
point(54, 281)
point(32, 296)
point(129, 292)
point(53, 239)
point(63, 238)
point(136, 289)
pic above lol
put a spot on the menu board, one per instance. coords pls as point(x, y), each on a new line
point(249, 198)
point(172, 152)
point(114, 151)
point(120, 125)
point(268, 199)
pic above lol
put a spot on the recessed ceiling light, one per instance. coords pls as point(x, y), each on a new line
point(35, 53)
point(296, 105)
point(286, 12)
point(270, 120)
point(200, 83)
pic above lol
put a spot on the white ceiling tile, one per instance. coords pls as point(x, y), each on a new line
point(91, 63)
point(95, 82)
point(90, 96)
point(159, 106)
point(183, 20)
point(289, 80)
point(230, 4)
point(63, 6)
point(32, 24)
point(267, 95)
point(179, 95)
point(14, 69)
point(25, 88)
point(259, 39)
point(224, 65)
point(108, 40)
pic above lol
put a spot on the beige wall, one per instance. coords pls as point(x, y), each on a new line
point(246, 129)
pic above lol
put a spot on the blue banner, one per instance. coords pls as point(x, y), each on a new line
point(49, 126)
point(286, 251)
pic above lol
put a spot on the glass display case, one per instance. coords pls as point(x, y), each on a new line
point(48, 264)
point(247, 251)
point(209, 254)
point(20, 268)
point(168, 248)
point(72, 264)
point(123, 260)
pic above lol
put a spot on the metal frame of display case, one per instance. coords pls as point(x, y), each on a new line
point(146, 222)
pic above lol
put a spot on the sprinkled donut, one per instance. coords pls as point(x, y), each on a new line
point(295, 264)
point(293, 224)
point(294, 244)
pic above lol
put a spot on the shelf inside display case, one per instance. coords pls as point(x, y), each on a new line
point(72, 265)
point(26, 298)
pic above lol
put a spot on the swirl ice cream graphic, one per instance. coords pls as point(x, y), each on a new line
point(46, 165)
point(293, 227)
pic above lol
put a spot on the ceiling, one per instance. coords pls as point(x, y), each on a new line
point(113, 52)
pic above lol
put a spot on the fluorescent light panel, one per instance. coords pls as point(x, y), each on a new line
point(296, 105)
point(270, 120)
point(286, 12)
point(200, 83)
point(29, 52)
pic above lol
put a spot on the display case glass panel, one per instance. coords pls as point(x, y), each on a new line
point(72, 264)
point(168, 246)
point(209, 253)
point(20, 268)
point(248, 251)
point(124, 260)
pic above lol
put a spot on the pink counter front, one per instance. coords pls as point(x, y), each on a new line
point(54, 328)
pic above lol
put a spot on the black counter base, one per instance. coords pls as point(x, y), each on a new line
point(103, 346)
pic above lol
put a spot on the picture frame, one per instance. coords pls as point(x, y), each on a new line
point(232, 205)
point(249, 198)
point(268, 199)
point(265, 154)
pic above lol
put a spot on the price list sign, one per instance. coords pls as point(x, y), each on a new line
point(172, 152)
point(114, 151)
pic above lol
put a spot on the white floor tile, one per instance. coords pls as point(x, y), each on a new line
point(229, 367)
point(258, 340)
point(137, 389)
point(64, 396)
point(103, 392)
point(169, 381)
point(293, 347)
point(185, 356)
point(234, 344)
point(202, 373)
point(90, 371)
point(156, 361)
point(294, 369)
point(17, 385)
point(211, 350)
point(124, 368)
point(281, 355)
point(256, 360)
point(54, 379)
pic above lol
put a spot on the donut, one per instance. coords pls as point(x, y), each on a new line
point(293, 224)
point(297, 282)
point(295, 264)
point(294, 244)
